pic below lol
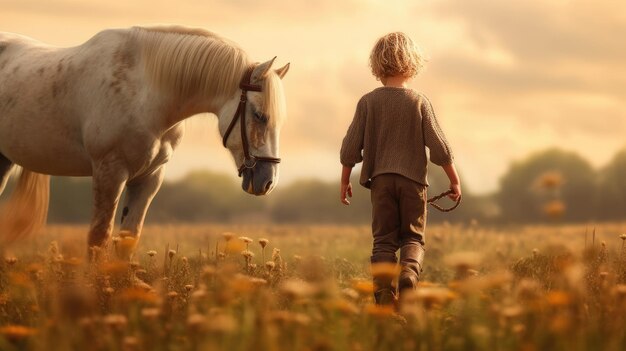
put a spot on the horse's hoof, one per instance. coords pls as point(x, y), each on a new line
point(125, 244)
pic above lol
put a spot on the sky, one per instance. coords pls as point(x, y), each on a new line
point(506, 78)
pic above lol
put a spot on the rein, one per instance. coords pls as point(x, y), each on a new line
point(433, 199)
point(249, 160)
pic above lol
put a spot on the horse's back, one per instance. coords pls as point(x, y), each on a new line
point(49, 94)
point(10, 45)
point(8, 39)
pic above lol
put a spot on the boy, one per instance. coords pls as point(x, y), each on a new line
point(392, 127)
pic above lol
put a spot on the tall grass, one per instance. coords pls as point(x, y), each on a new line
point(308, 288)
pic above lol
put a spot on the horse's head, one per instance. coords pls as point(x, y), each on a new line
point(250, 125)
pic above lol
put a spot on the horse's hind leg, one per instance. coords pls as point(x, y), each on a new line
point(5, 170)
point(139, 195)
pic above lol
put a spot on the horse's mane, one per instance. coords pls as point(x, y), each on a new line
point(191, 61)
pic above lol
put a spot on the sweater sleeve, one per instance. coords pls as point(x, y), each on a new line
point(434, 139)
point(353, 141)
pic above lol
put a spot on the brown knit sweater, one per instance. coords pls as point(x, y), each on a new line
point(391, 127)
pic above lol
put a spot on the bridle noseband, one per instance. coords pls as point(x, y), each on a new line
point(249, 160)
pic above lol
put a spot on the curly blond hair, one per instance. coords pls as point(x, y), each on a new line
point(395, 54)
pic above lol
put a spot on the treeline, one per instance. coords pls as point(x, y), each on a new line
point(204, 196)
point(547, 186)
point(561, 184)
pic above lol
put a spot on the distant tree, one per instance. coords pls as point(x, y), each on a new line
point(70, 200)
point(526, 194)
point(202, 196)
point(317, 201)
point(611, 202)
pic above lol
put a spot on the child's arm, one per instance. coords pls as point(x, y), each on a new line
point(346, 186)
point(440, 152)
point(434, 139)
point(455, 182)
point(351, 147)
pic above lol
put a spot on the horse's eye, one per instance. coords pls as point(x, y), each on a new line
point(259, 116)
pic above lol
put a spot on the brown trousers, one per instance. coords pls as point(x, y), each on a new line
point(398, 223)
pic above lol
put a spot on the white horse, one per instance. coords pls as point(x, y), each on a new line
point(112, 109)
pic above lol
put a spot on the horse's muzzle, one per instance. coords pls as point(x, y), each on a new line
point(261, 179)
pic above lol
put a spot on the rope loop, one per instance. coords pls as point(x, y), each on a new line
point(434, 199)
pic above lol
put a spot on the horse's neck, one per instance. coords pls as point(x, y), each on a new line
point(195, 72)
point(180, 108)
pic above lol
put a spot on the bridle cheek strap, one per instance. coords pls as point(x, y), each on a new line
point(249, 160)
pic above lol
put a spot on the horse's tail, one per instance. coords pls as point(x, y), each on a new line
point(26, 210)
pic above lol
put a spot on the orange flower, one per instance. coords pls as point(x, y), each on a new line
point(364, 287)
point(245, 239)
point(20, 279)
point(138, 295)
point(72, 261)
point(558, 298)
point(235, 246)
point(222, 324)
point(342, 306)
point(620, 290)
point(434, 296)
point(385, 270)
point(554, 209)
point(549, 180)
point(16, 332)
point(297, 288)
point(245, 284)
point(379, 311)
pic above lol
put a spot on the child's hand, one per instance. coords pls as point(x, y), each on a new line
point(457, 192)
point(346, 191)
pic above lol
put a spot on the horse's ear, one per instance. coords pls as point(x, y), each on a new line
point(282, 71)
point(260, 71)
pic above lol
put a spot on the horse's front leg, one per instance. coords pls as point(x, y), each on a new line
point(139, 195)
point(109, 177)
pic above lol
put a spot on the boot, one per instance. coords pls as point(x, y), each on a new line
point(411, 258)
point(385, 297)
point(384, 292)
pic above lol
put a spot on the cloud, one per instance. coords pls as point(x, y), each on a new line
point(553, 70)
point(73, 8)
point(545, 31)
point(242, 12)
point(555, 46)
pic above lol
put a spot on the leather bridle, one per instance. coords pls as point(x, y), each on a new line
point(249, 160)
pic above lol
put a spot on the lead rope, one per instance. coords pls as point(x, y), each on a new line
point(433, 199)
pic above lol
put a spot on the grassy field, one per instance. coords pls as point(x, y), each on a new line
point(523, 288)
